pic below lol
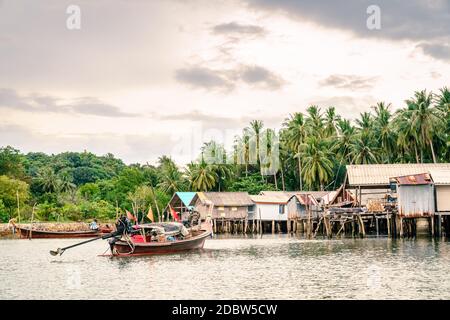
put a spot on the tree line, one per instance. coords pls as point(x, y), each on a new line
point(313, 148)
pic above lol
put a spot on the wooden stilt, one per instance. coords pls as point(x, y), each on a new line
point(377, 226)
point(273, 226)
point(361, 225)
point(388, 225)
point(432, 225)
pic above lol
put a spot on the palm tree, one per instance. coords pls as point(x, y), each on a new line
point(314, 121)
point(201, 176)
point(48, 180)
point(331, 122)
point(383, 129)
point(270, 158)
point(65, 183)
point(443, 101)
point(171, 179)
point(425, 119)
point(363, 150)
point(255, 129)
point(318, 164)
point(365, 123)
point(295, 136)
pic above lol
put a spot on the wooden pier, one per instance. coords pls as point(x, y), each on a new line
point(342, 222)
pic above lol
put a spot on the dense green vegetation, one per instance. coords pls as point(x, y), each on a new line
point(314, 148)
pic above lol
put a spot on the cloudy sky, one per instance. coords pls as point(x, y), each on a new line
point(145, 78)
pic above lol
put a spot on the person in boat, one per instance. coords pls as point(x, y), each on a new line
point(93, 225)
point(123, 225)
point(12, 225)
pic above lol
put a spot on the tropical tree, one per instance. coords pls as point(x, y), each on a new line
point(171, 178)
point(295, 135)
point(425, 120)
point(202, 176)
point(48, 180)
point(384, 130)
point(331, 122)
point(363, 149)
point(318, 163)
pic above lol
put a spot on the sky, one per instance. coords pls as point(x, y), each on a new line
point(141, 79)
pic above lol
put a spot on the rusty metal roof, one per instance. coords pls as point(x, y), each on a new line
point(307, 199)
point(379, 174)
point(414, 179)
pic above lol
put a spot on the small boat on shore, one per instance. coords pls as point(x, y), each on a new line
point(40, 234)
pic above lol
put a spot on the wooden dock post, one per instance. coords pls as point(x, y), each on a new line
point(377, 226)
point(362, 229)
point(388, 225)
point(432, 225)
point(438, 225)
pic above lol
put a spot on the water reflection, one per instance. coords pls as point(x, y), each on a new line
point(271, 267)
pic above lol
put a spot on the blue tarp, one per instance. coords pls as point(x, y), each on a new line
point(186, 198)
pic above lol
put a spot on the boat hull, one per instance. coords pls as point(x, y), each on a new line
point(122, 248)
point(41, 234)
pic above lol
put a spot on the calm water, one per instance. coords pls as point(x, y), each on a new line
point(274, 267)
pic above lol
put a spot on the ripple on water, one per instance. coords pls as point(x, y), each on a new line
point(271, 267)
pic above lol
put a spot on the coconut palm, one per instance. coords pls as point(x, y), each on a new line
point(363, 149)
point(331, 122)
point(170, 177)
point(425, 120)
point(254, 131)
point(48, 180)
point(295, 136)
point(318, 164)
point(314, 121)
point(65, 183)
point(201, 176)
point(384, 130)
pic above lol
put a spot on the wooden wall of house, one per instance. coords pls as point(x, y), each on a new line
point(221, 212)
point(270, 212)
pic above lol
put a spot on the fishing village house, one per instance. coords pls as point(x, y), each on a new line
point(228, 210)
point(375, 186)
point(269, 210)
point(299, 203)
point(180, 202)
point(415, 199)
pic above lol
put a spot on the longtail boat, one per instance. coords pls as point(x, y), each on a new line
point(159, 238)
point(151, 238)
point(39, 234)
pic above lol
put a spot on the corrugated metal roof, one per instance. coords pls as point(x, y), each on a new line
point(278, 193)
point(379, 174)
point(276, 199)
point(289, 194)
point(414, 179)
point(306, 199)
point(441, 176)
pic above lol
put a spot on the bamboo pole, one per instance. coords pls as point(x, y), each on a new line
point(18, 205)
point(32, 219)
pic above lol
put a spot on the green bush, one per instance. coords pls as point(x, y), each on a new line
point(71, 212)
point(101, 210)
point(4, 215)
point(47, 212)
